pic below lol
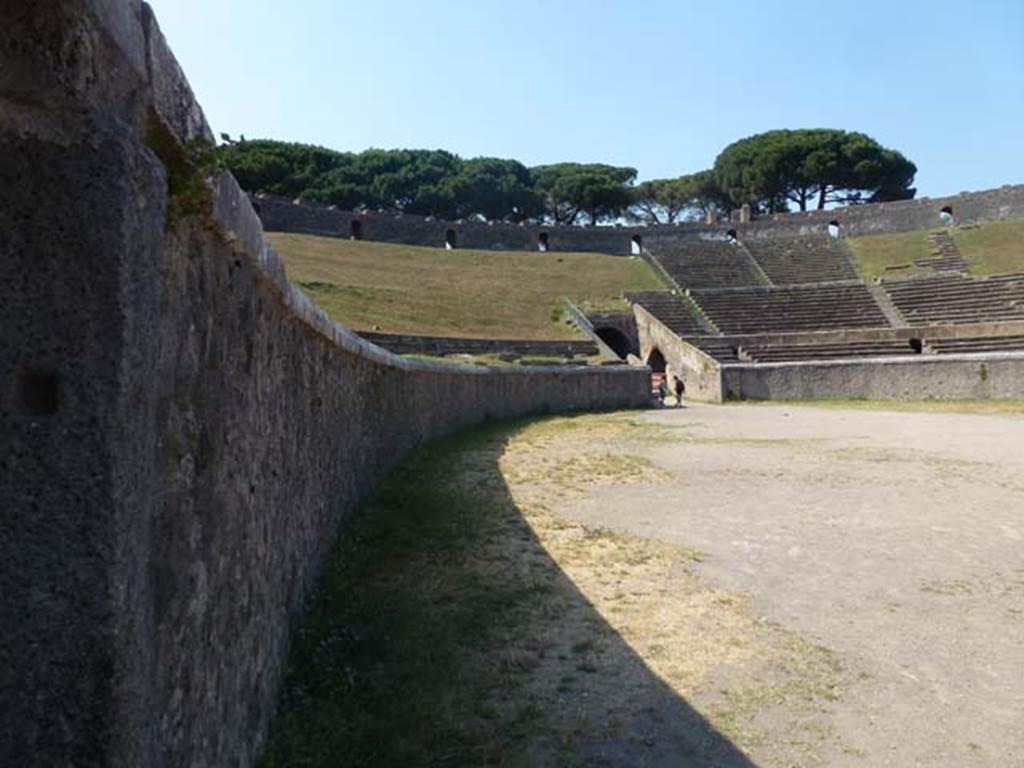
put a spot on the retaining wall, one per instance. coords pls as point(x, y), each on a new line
point(182, 431)
point(699, 371)
point(973, 377)
point(403, 344)
point(284, 215)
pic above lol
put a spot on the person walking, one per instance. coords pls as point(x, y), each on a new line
point(680, 391)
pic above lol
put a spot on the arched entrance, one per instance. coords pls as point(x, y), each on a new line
point(449, 239)
point(656, 361)
point(617, 340)
point(833, 229)
point(355, 230)
point(542, 242)
point(636, 245)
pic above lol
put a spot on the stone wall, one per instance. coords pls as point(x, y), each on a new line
point(700, 372)
point(182, 431)
point(404, 344)
point(945, 377)
point(927, 332)
point(283, 215)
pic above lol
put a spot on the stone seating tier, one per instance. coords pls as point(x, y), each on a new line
point(723, 350)
point(702, 263)
point(791, 308)
point(977, 344)
point(671, 310)
point(958, 299)
point(778, 353)
point(797, 260)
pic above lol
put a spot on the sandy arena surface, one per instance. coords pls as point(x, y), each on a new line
point(895, 539)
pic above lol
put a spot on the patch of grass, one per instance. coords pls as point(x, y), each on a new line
point(874, 253)
point(379, 667)
point(462, 623)
point(989, 249)
point(948, 587)
point(478, 294)
point(992, 249)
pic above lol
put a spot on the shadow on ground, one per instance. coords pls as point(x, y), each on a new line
point(445, 635)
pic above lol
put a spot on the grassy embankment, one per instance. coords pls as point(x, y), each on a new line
point(992, 249)
point(989, 249)
point(477, 294)
point(873, 254)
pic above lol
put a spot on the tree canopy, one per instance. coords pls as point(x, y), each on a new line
point(666, 201)
point(432, 182)
point(769, 171)
point(811, 167)
point(570, 190)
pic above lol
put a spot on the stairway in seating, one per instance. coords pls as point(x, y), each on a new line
point(944, 256)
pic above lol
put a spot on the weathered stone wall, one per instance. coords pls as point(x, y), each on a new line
point(700, 372)
point(981, 377)
point(404, 344)
point(926, 332)
point(181, 430)
point(283, 215)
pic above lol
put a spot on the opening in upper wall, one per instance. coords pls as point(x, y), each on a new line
point(542, 242)
point(946, 215)
point(355, 230)
point(449, 239)
point(833, 229)
point(731, 236)
point(636, 245)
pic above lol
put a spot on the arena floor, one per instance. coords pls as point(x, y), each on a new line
point(893, 539)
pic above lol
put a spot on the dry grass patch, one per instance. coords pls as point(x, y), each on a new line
point(889, 255)
point(992, 249)
point(480, 294)
point(465, 622)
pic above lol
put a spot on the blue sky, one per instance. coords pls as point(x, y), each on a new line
point(660, 86)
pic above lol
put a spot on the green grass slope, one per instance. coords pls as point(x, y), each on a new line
point(476, 294)
point(989, 249)
point(992, 249)
point(889, 255)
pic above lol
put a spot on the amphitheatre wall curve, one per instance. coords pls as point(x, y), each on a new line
point(280, 214)
point(182, 430)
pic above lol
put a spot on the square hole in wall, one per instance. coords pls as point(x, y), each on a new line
point(39, 392)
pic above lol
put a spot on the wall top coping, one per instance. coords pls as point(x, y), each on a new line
point(916, 359)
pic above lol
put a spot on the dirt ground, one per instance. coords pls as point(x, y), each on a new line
point(740, 586)
point(887, 546)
